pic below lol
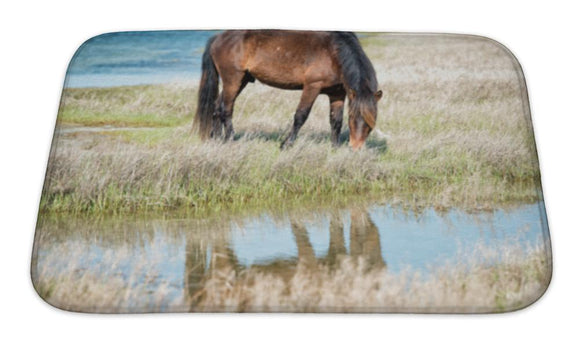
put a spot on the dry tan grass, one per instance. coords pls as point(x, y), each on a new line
point(103, 173)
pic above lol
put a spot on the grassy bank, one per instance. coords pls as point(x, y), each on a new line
point(453, 131)
point(115, 174)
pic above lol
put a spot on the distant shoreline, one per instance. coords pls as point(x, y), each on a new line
point(120, 80)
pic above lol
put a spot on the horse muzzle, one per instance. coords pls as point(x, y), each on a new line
point(356, 144)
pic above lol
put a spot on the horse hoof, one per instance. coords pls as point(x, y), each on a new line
point(285, 144)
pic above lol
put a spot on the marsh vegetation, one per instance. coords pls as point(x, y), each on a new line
point(453, 132)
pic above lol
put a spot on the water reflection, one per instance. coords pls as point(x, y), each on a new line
point(365, 248)
point(184, 254)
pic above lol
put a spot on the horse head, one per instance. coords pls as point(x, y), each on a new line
point(362, 116)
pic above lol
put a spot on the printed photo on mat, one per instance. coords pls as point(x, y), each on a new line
point(292, 171)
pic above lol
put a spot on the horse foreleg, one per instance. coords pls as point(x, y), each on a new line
point(336, 112)
point(309, 94)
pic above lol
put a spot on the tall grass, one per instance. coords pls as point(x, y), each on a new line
point(473, 287)
point(110, 174)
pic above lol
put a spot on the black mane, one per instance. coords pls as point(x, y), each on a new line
point(358, 73)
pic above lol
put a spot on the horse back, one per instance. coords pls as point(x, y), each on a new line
point(283, 59)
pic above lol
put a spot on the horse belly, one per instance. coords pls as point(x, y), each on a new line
point(291, 70)
point(278, 82)
point(283, 76)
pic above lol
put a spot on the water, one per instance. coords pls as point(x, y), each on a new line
point(135, 58)
point(180, 253)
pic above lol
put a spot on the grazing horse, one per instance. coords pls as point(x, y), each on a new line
point(331, 63)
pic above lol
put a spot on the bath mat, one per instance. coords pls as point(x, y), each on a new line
point(292, 171)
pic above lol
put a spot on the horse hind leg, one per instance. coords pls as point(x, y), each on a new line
point(232, 87)
point(217, 125)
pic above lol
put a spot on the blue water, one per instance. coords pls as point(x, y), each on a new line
point(136, 58)
point(156, 252)
point(407, 240)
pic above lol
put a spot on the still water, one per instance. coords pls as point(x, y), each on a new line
point(134, 58)
point(180, 252)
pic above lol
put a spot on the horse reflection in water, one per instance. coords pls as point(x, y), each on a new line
point(364, 247)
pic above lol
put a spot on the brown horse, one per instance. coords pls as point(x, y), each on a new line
point(331, 63)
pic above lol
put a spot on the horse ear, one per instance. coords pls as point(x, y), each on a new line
point(378, 95)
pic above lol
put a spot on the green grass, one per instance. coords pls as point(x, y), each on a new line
point(456, 136)
point(81, 117)
point(139, 106)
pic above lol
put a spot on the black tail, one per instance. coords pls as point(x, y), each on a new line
point(208, 93)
